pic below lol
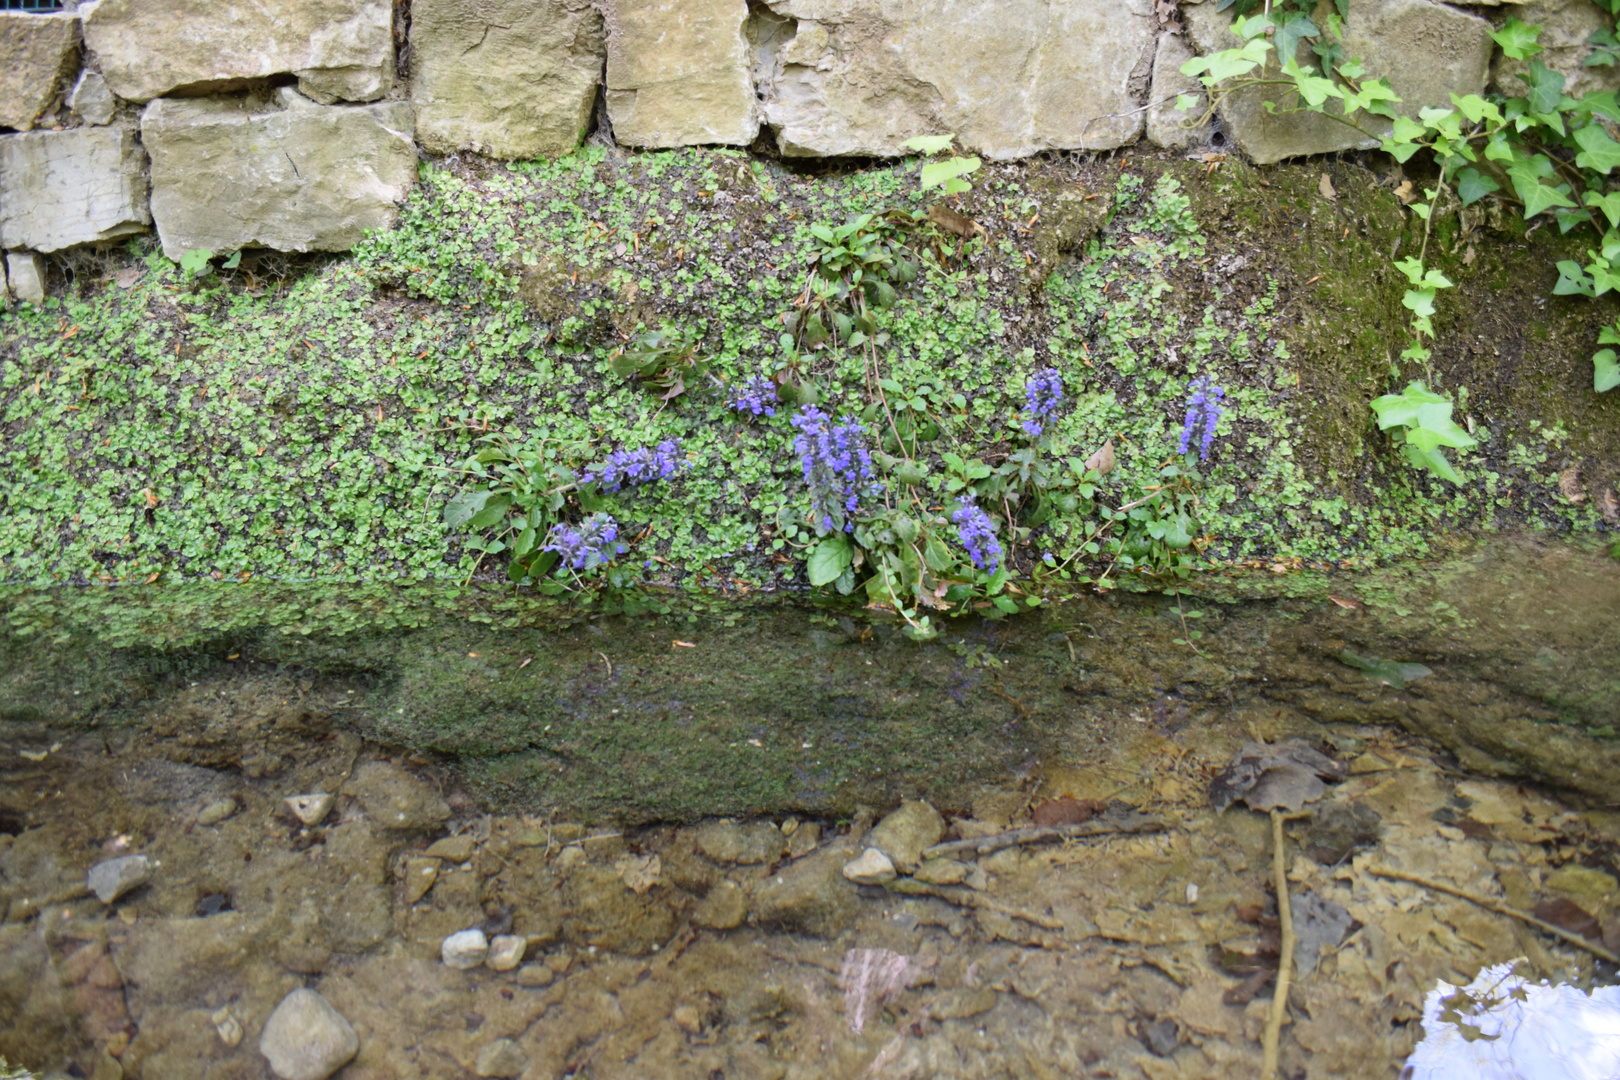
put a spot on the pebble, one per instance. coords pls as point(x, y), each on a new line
point(688, 1019)
point(500, 1058)
point(216, 812)
point(729, 842)
point(306, 1038)
point(420, 874)
point(112, 878)
point(943, 872)
point(535, 975)
point(310, 809)
point(905, 834)
point(455, 848)
point(394, 799)
point(464, 950)
point(724, 908)
point(804, 840)
point(871, 867)
point(809, 896)
point(229, 1028)
point(506, 951)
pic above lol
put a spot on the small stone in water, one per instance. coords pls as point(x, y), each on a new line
point(500, 1058)
point(455, 848)
point(307, 1039)
point(535, 975)
point(724, 908)
point(310, 809)
point(229, 1028)
point(506, 952)
point(688, 1019)
point(420, 874)
point(216, 812)
point(872, 867)
point(112, 878)
point(465, 950)
point(943, 872)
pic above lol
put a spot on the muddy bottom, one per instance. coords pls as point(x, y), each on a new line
point(742, 949)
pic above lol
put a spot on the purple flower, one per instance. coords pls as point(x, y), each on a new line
point(837, 466)
point(978, 535)
point(1043, 393)
point(1204, 405)
point(757, 396)
point(632, 467)
point(587, 545)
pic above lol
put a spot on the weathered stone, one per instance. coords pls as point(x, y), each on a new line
point(92, 99)
point(728, 842)
point(37, 53)
point(1427, 51)
point(500, 1058)
point(724, 908)
point(1010, 77)
point(339, 49)
point(506, 78)
point(943, 872)
point(871, 867)
point(809, 896)
point(1168, 126)
point(604, 912)
point(61, 188)
point(535, 976)
point(906, 833)
point(216, 812)
point(680, 73)
point(1565, 27)
point(25, 274)
point(420, 874)
point(112, 878)
point(395, 799)
point(804, 840)
point(304, 177)
point(310, 809)
point(455, 848)
point(464, 950)
point(306, 1038)
point(505, 952)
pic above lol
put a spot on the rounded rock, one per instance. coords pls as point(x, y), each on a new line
point(310, 809)
point(112, 878)
point(306, 1038)
point(216, 812)
point(871, 867)
point(506, 951)
point(500, 1058)
point(464, 950)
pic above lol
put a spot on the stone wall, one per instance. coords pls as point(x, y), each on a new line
point(227, 124)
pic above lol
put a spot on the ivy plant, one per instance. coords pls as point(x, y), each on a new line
point(1419, 421)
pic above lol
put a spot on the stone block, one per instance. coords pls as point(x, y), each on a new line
point(61, 188)
point(1427, 51)
point(25, 273)
point(92, 99)
point(680, 73)
point(1010, 77)
point(339, 49)
point(1167, 126)
point(37, 55)
point(229, 173)
point(506, 78)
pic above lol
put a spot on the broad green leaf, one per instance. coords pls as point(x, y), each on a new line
point(830, 559)
point(1473, 185)
point(1292, 28)
point(1313, 89)
point(1608, 202)
point(493, 513)
point(1228, 63)
point(525, 542)
point(1546, 88)
point(1518, 40)
point(1433, 460)
point(460, 510)
point(1601, 102)
point(1605, 371)
point(937, 173)
point(1609, 335)
point(929, 144)
point(1186, 101)
point(1476, 108)
point(1572, 280)
point(1536, 196)
point(1598, 151)
point(1412, 268)
point(195, 261)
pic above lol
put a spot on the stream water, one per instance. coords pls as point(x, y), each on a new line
point(659, 813)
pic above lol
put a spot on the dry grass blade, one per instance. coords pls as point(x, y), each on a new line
point(1285, 963)
point(1100, 826)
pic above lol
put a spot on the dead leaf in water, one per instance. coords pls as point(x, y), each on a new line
point(1569, 915)
point(1319, 924)
point(1102, 462)
point(1066, 811)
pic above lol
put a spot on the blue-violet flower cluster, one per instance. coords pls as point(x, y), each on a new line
point(1043, 393)
point(756, 396)
point(631, 467)
point(837, 466)
point(1204, 405)
point(978, 535)
point(587, 545)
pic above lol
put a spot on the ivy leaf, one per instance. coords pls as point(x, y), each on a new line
point(1546, 88)
point(1536, 196)
point(1293, 28)
point(1476, 108)
point(1605, 371)
point(1312, 88)
point(1227, 64)
point(1609, 203)
point(929, 144)
point(1518, 40)
point(1434, 461)
point(1572, 280)
point(830, 559)
point(1601, 102)
point(1472, 186)
point(1598, 151)
point(937, 173)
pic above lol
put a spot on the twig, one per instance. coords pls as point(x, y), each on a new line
point(969, 898)
point(1285, 962)
point(1501, 909)
point(1039, 834)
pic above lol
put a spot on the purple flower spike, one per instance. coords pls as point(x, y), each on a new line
point(587, 545)
point(756, 396)
point(1043, 393)
point(978, 535)
point(1204, 405)
point(631, 467)
point(837, 466)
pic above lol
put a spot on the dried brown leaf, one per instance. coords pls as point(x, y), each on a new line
point(1066, 811)
point(1569, 915)
point(1569, 485)
point(1103, 460)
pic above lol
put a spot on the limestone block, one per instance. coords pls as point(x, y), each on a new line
point(25, 272)
point(339, 49)
point(507, 78)
point(1010, 77)
point(1427, 51)
point(61, 188)
point(1565, 26)
point(680, 72)
point(302, 177)
point(37, 54)
point(92, 99)
point(1167, 126)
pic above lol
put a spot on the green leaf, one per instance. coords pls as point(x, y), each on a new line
point(830, 559)
point(1228, 63)
point(1473, 185)
point(1598, 151)
point(1518, 40)
point(525, 542)
point(1313, 89)
point(1005, 603)
point(937, 173)
point(1476, 108)
point(233, 262)
point(460, 510)
point(1605, 370)
point(195, 261)
point(929, 144)
point(1572, 280)
point(493, 512)
point(1186, 101)
point(1546, 88)
point(1434, 461)
point(1292, 28)
point(1536, 196)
